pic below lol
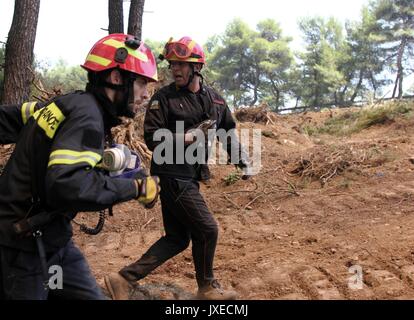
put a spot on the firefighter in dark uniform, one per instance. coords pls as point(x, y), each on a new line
point(54, 172)
point(185, 214)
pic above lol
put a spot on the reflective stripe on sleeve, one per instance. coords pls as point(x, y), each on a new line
point(28, 109)
point(68, 157)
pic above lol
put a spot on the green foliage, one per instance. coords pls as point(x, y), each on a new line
point(232, 178)
point(365, 59)
point(63, 77)
point(251, 65)
point(157, 47)
point(230, 61)
point(339, 64)
point(326, 51)
point(394, 31)
point(351, 122)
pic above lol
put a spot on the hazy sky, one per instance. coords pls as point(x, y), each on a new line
point(68, 28)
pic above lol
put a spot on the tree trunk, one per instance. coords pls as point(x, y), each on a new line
point(374, 86)
point(255, 95)
point(342, 94)
point(116, 16)
point(401, 67)
point(400, 89)
point(394, 92)
point(358, 87)
point(19, 52)
point(136, 12)
point(277, 98)
point(400, 72)
point(316, 91)
point(276, 92)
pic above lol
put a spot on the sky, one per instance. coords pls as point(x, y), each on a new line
point(67, 29)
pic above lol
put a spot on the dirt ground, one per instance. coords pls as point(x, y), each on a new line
point(283, 236)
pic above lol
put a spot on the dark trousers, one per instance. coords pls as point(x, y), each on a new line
point(186, 217)
point(21, 276)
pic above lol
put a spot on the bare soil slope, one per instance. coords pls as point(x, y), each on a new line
point(320, 205)
point(293, 236)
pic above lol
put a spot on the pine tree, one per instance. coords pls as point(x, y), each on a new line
point(395, 32)
point(19, 54)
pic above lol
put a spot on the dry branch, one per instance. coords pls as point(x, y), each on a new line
point(260, 114)
point(327, 162)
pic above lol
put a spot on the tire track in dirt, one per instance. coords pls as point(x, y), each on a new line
point(315, 284)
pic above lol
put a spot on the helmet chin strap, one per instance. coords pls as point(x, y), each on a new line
point(201, 77)
point(191, 78)
point(128, 100)
point(124, 96)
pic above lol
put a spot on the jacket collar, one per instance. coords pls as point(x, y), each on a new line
point(177, 89)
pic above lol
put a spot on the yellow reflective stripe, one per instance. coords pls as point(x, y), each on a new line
point(72, 153)
point(69, 161)
point(27, 111)
point(191, 45)
point(135, 53)
point(98, 60)
point(24, 110)
point(49, 119)
point(174, 58)
point(73, 157)
point(32, 108)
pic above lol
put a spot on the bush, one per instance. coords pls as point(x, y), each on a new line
point(352, 122)
point(232, 178)
point(63, 77)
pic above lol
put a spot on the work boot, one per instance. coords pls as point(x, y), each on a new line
point(213, 291)
point(118, 286)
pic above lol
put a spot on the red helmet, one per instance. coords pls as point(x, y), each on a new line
point(124, 52)
point(185, 49)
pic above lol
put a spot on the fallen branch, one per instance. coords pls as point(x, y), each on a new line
point(147, 223)
point(269, 119)
point(231, 201)
point(253, 201)
point(241, 191)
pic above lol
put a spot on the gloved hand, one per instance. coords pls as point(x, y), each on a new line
point(246, 169)
point(148, 190)
point(204, 127)
point(246, 173)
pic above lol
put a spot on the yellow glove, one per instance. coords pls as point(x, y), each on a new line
point(148, 191)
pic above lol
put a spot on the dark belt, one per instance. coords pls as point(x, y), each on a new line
point(43, 259)
point(32, 226)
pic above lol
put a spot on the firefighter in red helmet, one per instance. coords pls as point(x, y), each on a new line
point(185, 52)
point(54, 172)
point(130, 63)
point(185, 213)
